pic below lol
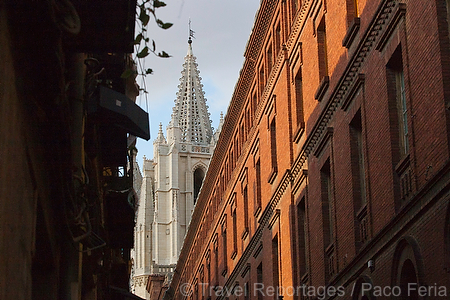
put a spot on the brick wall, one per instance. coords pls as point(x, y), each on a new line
point(403, 215)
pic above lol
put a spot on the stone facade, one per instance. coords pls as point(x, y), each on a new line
point(172, 180)
point(331, 176)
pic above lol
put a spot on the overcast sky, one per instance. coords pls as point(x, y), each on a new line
point(222, 29)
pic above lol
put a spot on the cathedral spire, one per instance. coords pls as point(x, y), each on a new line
point(190, 113)
point(160, 138)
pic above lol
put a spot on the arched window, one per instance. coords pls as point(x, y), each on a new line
point(408, 277)
point(363, 289)
point(199, 174)
point(407, 268)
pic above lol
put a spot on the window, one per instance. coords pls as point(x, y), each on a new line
point(262, 81)
point(242, 135)
point(208, 266)
point(199, 174)
point(302, 237)
point(352, 10)
point(216, 260)
point(244, 190)
point(361, 293)
point(254, 105)
point(397, 98)
point(275, 266)
point(322, 49)
point(398, 121)
point(141, 247)
point(232, 161)
point(326, 193)
point(408, 277)
point(237, 146)
point(353, 22)
point(245, 196)
point(402, 110)
point(246, 291)
point(259, 281)
point(258, 183)
point(269, 59)
point(406, 265)
point(226, 169)
point(233, 215)
point(358, 181)
point(224, 245)
point(222, 183)
point(195, 296)
point(327, 217)
point(357, 159)
point(248, 121)
point(202, 281)
point(278, 39)
point(299, 97)
point(273, 145)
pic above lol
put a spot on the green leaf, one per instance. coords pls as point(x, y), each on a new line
point(127, 74)
point(154, 45)
point(149, 71)
point(143, 53)
point(144, 17)
point(166, 25)
point(163, 25)
point(138, 39)
point(163, 54)
point(157, 3)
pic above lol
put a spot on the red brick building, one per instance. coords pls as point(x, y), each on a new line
point(331, 176)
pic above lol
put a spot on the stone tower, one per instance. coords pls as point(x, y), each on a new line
point(172, 180)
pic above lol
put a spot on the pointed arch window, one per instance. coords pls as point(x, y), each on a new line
point(408, 281)
point(407, 268)
point(199, 174)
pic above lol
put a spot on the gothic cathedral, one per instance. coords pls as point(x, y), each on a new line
point(171, 182)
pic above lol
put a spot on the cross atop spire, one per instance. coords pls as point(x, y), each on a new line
point(191, 33)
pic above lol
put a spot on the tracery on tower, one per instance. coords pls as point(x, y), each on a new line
point(191, 112)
